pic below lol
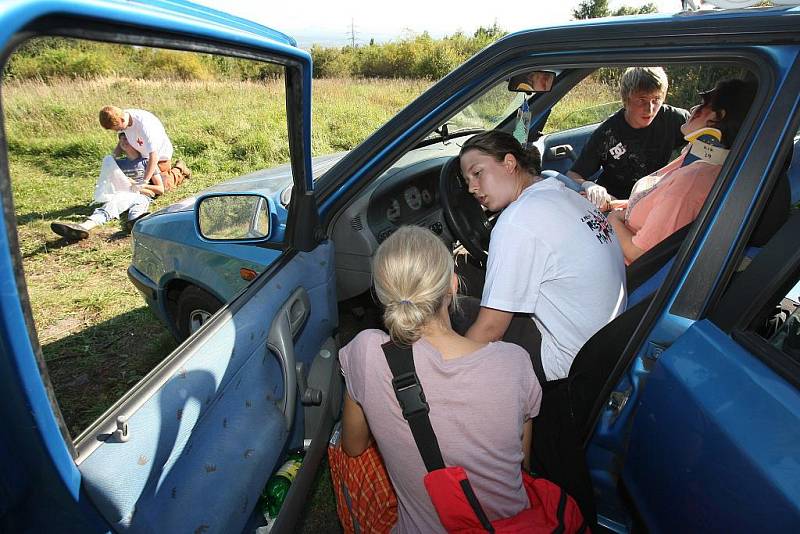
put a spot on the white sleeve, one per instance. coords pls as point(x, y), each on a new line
point(516, 268)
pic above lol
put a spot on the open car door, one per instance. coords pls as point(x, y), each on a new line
point(191, 445)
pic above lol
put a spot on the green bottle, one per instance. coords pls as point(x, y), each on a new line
point(278, 485)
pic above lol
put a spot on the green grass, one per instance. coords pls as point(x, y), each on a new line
point(97, 335)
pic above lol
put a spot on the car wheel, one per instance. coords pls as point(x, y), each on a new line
point(195, 307)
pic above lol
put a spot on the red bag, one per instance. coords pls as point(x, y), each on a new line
point(550, 510)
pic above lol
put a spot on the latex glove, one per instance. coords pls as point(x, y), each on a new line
point(596, 194)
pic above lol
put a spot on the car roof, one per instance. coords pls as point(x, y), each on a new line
point(213, 15)
point(174, 16)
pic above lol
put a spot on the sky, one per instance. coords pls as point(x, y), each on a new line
point(329, 22)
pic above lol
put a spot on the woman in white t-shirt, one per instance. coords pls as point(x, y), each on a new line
point(552, 256)
point(482, 396)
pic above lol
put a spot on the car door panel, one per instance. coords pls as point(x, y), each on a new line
point(719, 430)
point(217, 418)
point(561, 149)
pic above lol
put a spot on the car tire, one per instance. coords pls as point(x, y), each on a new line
point(195, 307)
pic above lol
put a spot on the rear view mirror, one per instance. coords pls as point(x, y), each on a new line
point(233, 217)
point(535, 81)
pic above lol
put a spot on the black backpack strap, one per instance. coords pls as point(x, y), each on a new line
point(415, 408)
point(412, 401)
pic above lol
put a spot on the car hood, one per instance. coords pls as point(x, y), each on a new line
point(266, 181)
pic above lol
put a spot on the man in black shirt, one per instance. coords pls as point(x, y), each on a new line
point(634, 142)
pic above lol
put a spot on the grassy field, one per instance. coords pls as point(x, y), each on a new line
point(97, 336)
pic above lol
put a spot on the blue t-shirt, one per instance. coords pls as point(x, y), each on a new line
point(133, 168)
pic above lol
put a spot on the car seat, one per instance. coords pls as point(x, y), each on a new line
point(571, 405)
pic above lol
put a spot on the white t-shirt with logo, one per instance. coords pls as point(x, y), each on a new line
point(147, 134)
point(554, 255)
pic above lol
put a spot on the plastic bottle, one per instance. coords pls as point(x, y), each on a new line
point(278, 485)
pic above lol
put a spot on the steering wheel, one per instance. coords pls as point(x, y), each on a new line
point(463, 213)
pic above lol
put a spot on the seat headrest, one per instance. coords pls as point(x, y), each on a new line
point(777, 209)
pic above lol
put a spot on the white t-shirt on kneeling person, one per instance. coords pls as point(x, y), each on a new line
point(553, 255)
point(147, 134)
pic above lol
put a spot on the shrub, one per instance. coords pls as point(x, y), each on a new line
point(168, 64)
point(59, 62)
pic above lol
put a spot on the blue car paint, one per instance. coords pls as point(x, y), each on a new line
point(39, 446)
point(234, 383)
point(710, 413)
point(167, 247)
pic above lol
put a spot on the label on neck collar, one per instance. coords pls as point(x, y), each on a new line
point(705, 145)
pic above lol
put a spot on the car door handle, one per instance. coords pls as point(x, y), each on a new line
point(561, 152)
point(287, 323)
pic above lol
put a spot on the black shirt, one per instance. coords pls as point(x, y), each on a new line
point(627, 154)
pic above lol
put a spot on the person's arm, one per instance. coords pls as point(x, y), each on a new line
point(152, 166)
point(154, 188)
point(355, 430)
point(490, 325)
point(576, 177)
point(527, 440)
point(625, 236)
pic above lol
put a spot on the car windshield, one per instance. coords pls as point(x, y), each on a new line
point(486, 112)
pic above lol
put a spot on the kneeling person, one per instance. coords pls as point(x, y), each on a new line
point(552, 254)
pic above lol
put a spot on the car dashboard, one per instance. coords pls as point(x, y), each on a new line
point(405, 194)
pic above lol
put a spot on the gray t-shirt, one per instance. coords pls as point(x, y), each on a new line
point(478, 404)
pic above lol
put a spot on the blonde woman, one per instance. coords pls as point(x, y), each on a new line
point(482, 396)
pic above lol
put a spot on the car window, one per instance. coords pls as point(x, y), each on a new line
point(596, 97)
point(592, 100)
point(224, 117)
point(488, 110)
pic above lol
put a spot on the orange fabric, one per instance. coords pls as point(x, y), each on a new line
point(364, 493)
point(171, 176)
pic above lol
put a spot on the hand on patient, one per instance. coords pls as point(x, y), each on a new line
point(597, 195)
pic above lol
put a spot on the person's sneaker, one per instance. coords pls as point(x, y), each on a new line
point(185, 170)
point(72, 231)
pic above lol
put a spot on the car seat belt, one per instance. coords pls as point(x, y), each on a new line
point(411, 397)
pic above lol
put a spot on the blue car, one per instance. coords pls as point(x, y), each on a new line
point(696, 426)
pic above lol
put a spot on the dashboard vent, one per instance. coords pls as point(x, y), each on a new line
point(355, 223)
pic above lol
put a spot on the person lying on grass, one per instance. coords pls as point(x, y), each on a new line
point(133, 195)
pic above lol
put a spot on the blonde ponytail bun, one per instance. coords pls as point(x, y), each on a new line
point(412, 272)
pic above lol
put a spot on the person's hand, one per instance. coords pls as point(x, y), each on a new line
point(618, 204)
point(596, 194)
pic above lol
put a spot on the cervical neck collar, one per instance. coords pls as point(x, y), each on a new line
point(705, 145)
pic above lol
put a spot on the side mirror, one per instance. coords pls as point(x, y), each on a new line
point(233, 217)
point(535, 81)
